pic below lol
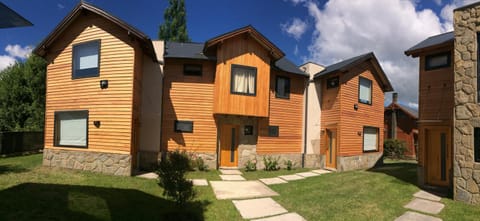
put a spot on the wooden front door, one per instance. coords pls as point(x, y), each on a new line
point(331, 153)
point(438, 155)
point(229, 145)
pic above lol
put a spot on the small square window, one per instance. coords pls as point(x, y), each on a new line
point(273, 131)
point(192, 69)
point(71, 128)
point(183, 126)
point(243, 80)
point(437, 61)
point(282, 87)
point(365, 91)
point(332, 82)
point(86, 59)
point(248, 130)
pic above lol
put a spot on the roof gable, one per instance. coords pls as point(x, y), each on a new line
point(430, 43)
point(409, 111)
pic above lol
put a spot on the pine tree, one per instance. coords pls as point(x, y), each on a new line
point(174, 27)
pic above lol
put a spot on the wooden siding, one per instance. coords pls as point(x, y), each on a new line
point(189, 98)
point(112, 106)
point(287, 114)
point(406, 128)
point(330, 116)
point(242, 50)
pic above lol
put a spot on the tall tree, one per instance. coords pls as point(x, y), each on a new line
point(174, 27)
point(22, 96)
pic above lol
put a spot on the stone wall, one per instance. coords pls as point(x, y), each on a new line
point(365, 161)
point(108, 163)
point(314, 160)
point(466, 172)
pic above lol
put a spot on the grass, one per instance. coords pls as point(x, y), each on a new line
point(255, 175)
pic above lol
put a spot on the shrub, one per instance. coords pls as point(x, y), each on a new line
point(289, 164)
point(394, 148)
point(172, 179)
point(251, 165)
point(271, 163)
point(200, 164)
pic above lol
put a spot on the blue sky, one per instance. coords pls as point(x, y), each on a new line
point(323, 31)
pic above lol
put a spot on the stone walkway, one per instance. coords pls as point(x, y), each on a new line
point(424, 202)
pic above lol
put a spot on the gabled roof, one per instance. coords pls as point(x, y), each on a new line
point(432, 42)
point(146, 43)
point(9, 18)
point(409, 111)
point(352, 62)
point(252, 32)
point(286, 65)
point(186, 50)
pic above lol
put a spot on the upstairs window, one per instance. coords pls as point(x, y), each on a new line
point(244, 80)
point(192, 69)
point(365, 91)
point(437, 61)
point(282, 87)
point(86, 59)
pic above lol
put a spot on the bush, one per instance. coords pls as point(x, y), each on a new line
point(271, 163)
point(172, 179)
point(394, 148)
point(200, 164)
point(289, 165)
point(251, 165)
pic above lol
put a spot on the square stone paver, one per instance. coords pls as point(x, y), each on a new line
point(284, 217)
point(230, 172)
point(240, 189)
point(425, 206)
point(151, 175)
point(199, 182)
point(308, 174)
point(321, 171)
point(231, 177)
point(413, 216)
point(426, 195)
point(271, 181)
point(256, 208)
point(291, 177)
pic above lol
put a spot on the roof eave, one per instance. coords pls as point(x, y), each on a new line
point(416, 52)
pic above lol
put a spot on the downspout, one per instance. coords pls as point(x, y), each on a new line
point(305, 127)
point(394, 117)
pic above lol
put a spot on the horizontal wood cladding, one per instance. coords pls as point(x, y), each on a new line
point(245, 51)
point(189, 98)
point(287, 114)
point(111, 106)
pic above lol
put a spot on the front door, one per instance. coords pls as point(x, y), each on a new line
point(438, 156)
point(331, 153)
point(229, 145)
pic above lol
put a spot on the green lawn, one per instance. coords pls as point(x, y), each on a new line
point(255, 175)
point(31, 192)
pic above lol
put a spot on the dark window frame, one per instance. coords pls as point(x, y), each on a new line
point(231, 80)
point(182, 121)
point(273, 131)
point(478, 68)
point(287, 87)
point(248, 130)
point(56, 134)
point(427, 67)
point(476, 145)
point(192, 73)
point(91, 72)
point(371, 91)
point(335, 79)
point(363, 139)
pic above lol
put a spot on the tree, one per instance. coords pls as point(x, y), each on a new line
point(22, 96)
point(174, 27)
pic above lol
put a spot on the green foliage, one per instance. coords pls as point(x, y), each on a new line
point(271, 163)
point(200, 164)
point(172, 179)
point(251, 165)
point(174, 27)
point(22, 96)
point(394, 148)
point(289, 165)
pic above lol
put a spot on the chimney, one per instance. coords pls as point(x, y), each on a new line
point(394, 97)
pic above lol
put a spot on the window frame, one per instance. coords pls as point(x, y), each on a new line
point(56, 135)
point(190, 73)
point(182, 121)
point(335, 79)
point(273, 127)
point(363, 139)
point(371, 90)
point(231, 80)
point(476, 146)
point(74, 52)
point(287, 90)
point(427, 67)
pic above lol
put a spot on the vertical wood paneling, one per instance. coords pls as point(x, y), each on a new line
point(330, 106)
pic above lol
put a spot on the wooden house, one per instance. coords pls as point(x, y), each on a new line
point(401, 124)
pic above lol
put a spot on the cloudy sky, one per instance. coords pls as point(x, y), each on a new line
point(321, 31)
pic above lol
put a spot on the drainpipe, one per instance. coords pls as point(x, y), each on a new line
point(394, 117)
point(305, 123)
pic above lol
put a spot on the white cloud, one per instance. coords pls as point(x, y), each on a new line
point(14, 52)
point(447, 12)
point(295, 28)
point(438, 2)
point(413, 105)
point(295, 50)
point(6, 61)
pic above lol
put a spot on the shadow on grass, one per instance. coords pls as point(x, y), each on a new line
point(12, 169)
point(403, 171)
point(34, 201)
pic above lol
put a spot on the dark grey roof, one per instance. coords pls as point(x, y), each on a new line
point(185, 50)
point(9, 18)
point(286, 65)
point(432, 41)
point(343, 65)
point(412, 111)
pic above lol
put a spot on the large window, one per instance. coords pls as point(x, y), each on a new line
point(282, 87)
point(370, 139)
point(86, 59)
point(476, 144)
point(365, 91)
point(244, 80)
point(71, 128)
point(436, 61)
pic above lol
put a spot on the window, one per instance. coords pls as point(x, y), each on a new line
point(183, 126)
point(478, 68)
point(273, 131)
point(436, 61)
point(192, 69)
point(370, 139)
point(365, 91)
point(282, 87)
point(71, 128)
point(476, 144)
point(244, 80)
point(332, 82)
point(86, 58)
point(248, 130)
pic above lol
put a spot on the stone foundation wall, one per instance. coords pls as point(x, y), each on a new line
point(210, 159)
point(294, 157)
point(108, 163)
point(365, 161)
point(314, 161)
